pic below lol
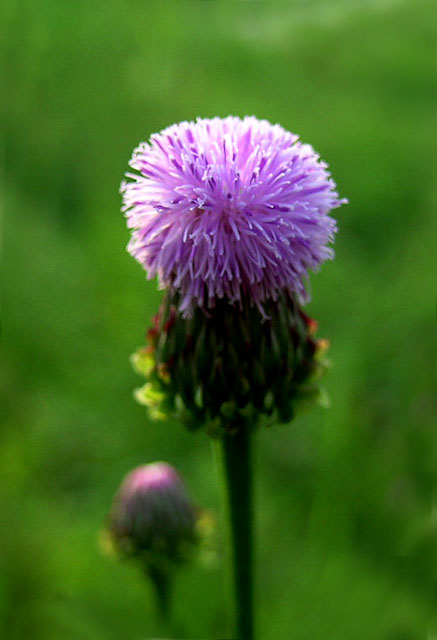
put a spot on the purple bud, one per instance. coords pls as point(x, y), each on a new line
point(152, 513)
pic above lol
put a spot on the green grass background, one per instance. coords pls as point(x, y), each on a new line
point(346, 546)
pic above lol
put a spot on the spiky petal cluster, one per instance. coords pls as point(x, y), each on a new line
point(229, 208)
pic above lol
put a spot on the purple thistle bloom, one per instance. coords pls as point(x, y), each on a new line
point(229, 208)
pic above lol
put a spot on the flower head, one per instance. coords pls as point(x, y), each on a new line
point(229, 208)
point(152, 513)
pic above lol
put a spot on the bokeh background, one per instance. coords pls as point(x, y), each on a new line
point(346, 546)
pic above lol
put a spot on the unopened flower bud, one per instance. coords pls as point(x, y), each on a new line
point(152, 515)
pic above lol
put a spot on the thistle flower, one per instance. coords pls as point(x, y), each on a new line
point(232, 215)
point(229, 208)
point(152, 514)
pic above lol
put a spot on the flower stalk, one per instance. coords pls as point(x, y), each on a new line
point(237, 469)
point(161, 579)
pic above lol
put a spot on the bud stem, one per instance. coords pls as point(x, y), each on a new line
point(236, 455)
point(161, 579)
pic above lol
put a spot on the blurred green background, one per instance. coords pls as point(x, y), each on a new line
point(346, 547)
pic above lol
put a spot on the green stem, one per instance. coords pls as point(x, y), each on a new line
point(237, 469)
point(161, 581)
